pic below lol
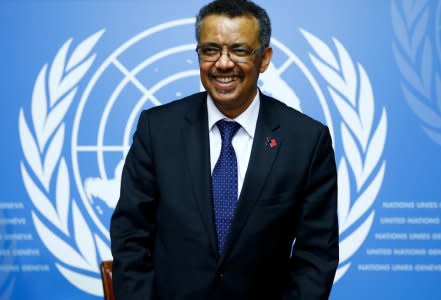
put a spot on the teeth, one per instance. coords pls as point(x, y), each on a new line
point(225, 79)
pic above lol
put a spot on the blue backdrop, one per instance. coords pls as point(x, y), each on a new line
point(74, 76)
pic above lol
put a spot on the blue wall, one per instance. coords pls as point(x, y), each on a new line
point(74, 76)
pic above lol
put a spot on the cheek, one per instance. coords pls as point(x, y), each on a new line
point(252, 74)
point(204, 78)
point(204, 71)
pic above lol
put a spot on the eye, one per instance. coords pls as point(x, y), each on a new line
point(209, 51)
point(240, 52)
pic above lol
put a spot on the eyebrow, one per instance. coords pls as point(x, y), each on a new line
point(234, 45)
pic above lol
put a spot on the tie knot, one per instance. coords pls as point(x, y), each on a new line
point(227, 129)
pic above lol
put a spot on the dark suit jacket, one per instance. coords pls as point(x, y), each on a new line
point(162, 230)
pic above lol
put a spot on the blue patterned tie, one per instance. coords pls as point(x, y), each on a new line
point(224, 182)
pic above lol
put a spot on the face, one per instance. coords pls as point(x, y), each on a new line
point(232, 85)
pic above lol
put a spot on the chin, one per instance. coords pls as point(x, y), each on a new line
point(226, 99)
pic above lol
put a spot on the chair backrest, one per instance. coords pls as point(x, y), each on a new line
point(106, 276)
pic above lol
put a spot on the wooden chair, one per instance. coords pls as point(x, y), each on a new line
point(106, 276)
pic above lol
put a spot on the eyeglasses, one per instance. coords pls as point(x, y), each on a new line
point(211, 53)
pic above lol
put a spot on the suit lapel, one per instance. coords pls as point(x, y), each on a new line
point(266, 145)
point(196, 140)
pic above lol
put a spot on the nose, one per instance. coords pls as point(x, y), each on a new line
point(224, 61)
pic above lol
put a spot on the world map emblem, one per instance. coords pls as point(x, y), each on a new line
point(72, 171)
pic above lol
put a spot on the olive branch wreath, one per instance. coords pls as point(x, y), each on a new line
point(413, 52)
point(351, 91)
point(42, 143)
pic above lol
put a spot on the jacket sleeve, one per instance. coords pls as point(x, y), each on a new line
point(132, 226)
point(315, 254)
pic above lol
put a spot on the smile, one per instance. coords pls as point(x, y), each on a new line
point(226, 79)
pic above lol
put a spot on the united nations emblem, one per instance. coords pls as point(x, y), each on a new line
point(74, 191)
point(417, 51)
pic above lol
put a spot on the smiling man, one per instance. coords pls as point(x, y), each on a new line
point(227, 194)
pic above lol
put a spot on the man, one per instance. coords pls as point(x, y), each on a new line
point(219, 185)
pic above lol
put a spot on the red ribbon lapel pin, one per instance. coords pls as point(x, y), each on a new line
point(271, 142)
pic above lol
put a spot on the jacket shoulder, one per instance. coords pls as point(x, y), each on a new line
point(175, 108)
point(291, 117)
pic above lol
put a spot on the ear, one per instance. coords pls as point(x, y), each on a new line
point(266, 58)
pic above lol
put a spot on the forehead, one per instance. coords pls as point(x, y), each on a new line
point(223, 29)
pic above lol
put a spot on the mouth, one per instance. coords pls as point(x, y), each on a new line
point(225, 81)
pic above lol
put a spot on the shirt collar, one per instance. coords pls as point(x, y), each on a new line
point(247, 119)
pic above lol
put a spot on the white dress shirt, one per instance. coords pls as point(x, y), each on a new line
point(242, 141)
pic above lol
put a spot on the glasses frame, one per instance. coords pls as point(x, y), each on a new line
point(241, 59)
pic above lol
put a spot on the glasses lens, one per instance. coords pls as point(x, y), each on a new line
point(212, 53)
point(209, 53)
